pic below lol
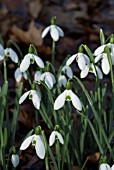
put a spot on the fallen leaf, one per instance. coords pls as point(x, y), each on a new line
point(94, 158)
point(33, 35)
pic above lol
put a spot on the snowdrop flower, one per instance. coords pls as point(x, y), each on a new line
point(18, 75)
point(101, 55)
point(2, 53)
point(47, 77)
point(91, 68)
point(82, 60)
point(37, 141)
point(54, 30)
point(15, 159)
point(9, 52)
point(62, 80)
point(69, 96)
point(53, 136)
point(34, 96)
point(105, 166)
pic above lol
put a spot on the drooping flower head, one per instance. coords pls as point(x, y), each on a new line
point(54, 30)
point(67, 95)
point(65, 71)
point(34, 96)
point(55, 135)
point(105, 166)
point(14, 157)
point(37, 141)
point(29, 59)
point(19, 75)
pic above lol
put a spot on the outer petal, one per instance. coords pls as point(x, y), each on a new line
point(52, 138)
point(84, 72)
point(61, 33)
point(53, 78)
point(15, 160)
point(97, 58)
point(49, 80)
point(62, 80)
point(112, 168)
point(13, 55)
point(71, 59)
point(18, 75)
point(38, 61)
point(2, 53)
point(99, 50)
point(46, 30)
point(105, 65)
point(61, 140)
point(104, 166)
point(25, 63)
point(26, 142)
point(37, 76)
point(87, 60)
point(24, 96)
point(112, 53)
point(54, 33)
point(81, 61)
point(60, 101)
point(99, 72)
point(66, 69)
point(40, 148)
point(75, 101)
point(36, 99)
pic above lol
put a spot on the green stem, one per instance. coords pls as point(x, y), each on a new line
point(58, 153)
point(5, 71)
point(53, 52)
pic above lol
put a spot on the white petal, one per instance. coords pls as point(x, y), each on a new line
point(62, 80)
point(38, 61)
point(53, 78)
point(36, 99)
point(46, 30)
point(59, 137)
point(105, 65)
point(99, 50)
point(52, 138)
point(81, 61)
point(71, 59)
point(26, 142)
point(25, 75)
point(2, 53)
point(60, 101)
point(25, 63)
point(37, 76)
point(54, 33)
point(40, 148)
point(49, 80)
point(112, 168)
point(84, 72)
point(75, 101)
point(97, 58)
point(99, 72)
point(23, 97)
point(112, 53)
point(66, 69)
point(61, 33)
point(18, 75)
point(12, 54)
point(87, 60)
point(15, 160)
point(104, 166)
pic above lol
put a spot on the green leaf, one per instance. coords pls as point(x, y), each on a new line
point(102, 37)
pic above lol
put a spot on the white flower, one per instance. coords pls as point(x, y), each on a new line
point(47, 77)
point(81, 58)
point(29, 58)
point(62, 80)
point(105, 166)
point(67, 95)
point(18, 75)
point(100, 55)
point(15, 160)
point(55, 32)
point(9, 52)
point(37, 141)
point(34, 95)
point(53, 136)
point(2, 53)
point(91, 68)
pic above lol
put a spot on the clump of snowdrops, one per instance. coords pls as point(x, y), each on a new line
point(61, 95)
